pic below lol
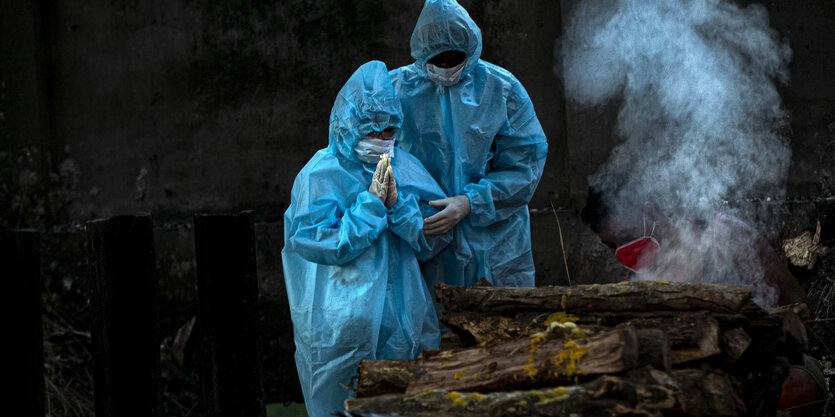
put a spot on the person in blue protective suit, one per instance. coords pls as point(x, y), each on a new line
point(473, 126)
point(352, 241)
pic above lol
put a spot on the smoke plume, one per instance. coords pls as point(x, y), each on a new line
point(697, 86)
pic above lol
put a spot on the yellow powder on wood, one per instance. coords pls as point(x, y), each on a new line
point(463, 399)
point(560, 317)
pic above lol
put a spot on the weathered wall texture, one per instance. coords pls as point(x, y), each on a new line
point(184, 106)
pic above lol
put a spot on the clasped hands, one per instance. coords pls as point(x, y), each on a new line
point(382, 182)
point(385, 188)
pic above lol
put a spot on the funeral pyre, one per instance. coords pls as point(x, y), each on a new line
point(625, 349)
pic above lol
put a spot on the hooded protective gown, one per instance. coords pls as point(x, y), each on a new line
point(479, 138)
point(350, 264)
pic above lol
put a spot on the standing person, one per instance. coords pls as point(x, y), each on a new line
point(352, 241)
point(473, 126)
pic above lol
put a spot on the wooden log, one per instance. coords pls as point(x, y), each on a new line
point(624, 296)
point(474, 328)
point(378, 377)
point(21, 262)
point(734, 343)
point(763, 378)
point(654, 349)
point(698, 392)
point(125, 326)
point(692, 336)
point(228, 290)
point(708, 393)
point(527, 363)
point(792, 324)
point(604, 396)
point(775, 331)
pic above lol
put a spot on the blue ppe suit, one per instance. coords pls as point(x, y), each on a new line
point(479, 138)
point(350, 264)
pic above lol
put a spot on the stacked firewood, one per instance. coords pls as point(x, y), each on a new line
point(626, 349)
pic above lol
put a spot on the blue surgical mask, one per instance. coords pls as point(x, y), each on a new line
point(369, 150)
point(446, 76)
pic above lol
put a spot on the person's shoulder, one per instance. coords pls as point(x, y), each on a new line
point(414, 176)
point(405, 159)
point(491, 70)
point(323, 164)
point(406, 73)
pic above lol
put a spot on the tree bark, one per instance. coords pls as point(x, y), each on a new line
point(474, 328)
point(378, 377)
point(604, 396)
point(707, 393)
point(692, 335)
point(734, 343)
point(527, 363)
point(624, 296)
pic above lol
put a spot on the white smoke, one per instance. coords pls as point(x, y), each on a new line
point(696, 80)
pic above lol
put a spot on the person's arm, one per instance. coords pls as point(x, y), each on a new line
point(406, 220)
point(778, 275)
point(758, 263)
point(324, 231)
point(520, 152)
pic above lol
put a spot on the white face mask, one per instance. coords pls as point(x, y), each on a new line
point(370, 149)
point(446, 76)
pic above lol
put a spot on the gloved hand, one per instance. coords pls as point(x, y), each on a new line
point(391, 186)
point(455, 209)
point(379, 180)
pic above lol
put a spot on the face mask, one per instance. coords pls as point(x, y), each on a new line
point(445, 76)
point(641, 253)
point(370, 149)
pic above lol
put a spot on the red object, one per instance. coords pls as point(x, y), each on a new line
point(638, 254)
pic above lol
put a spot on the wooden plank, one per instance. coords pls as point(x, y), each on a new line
point(125, 327)
point(20, 259)
point(527, 363)
point(624, 296)
point(604, 396)
point(228, 290)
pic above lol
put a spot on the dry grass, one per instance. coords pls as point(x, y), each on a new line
point(67, 367)
point(821, 290)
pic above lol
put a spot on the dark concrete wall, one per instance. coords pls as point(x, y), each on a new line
point(184, 106)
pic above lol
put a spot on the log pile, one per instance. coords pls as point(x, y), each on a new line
point(626, 349)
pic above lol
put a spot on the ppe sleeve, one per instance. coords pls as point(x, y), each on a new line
point(324, 234)
point(406, 221)
point(520, 151)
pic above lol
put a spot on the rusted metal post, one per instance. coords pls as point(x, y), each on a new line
point(125, 325)
point(19, 256)
point(228, 290)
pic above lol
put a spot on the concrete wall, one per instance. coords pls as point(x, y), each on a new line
point(184, 106)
